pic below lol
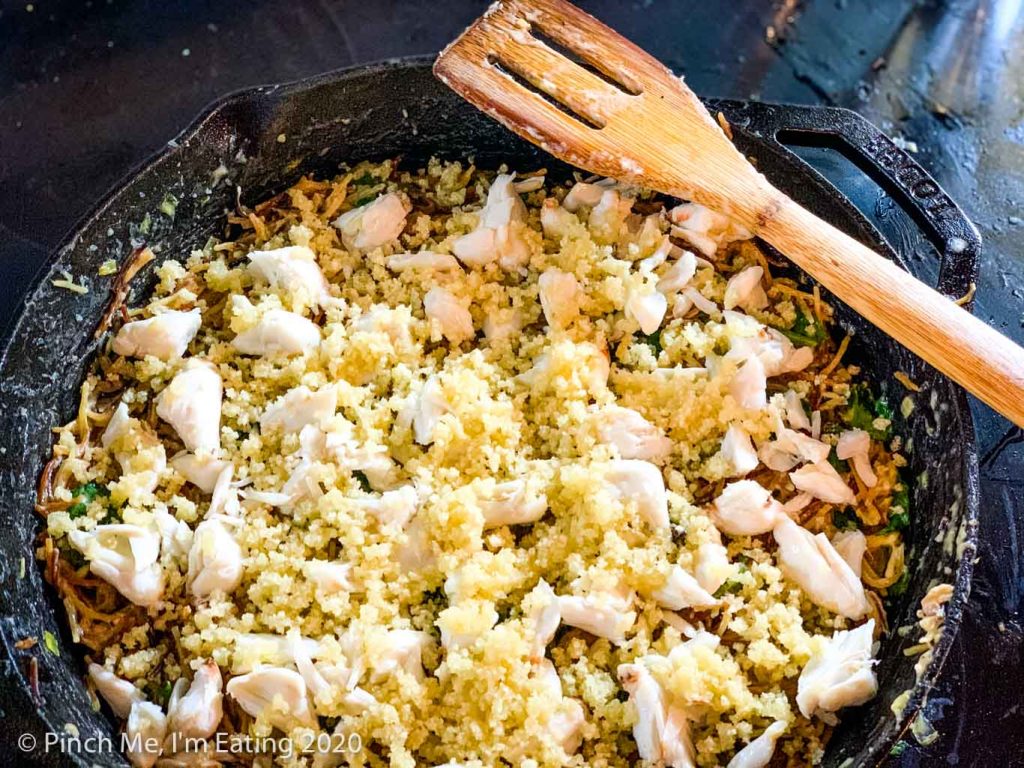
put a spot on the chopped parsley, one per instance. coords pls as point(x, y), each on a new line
point(862, 410)
point(899, 512)
point(900, 586)
point(363, 481)
point(732, 586)
point(169, 205)
point(652, 340)
point(898, 748)
point(84, 496)
point(50, 641)
point(845, 519)
point(837, 464)
point(805, 332)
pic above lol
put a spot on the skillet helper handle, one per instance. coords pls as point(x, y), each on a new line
point(855, 137)
point(950, 338)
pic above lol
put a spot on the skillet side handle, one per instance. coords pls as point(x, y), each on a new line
point(941, 220)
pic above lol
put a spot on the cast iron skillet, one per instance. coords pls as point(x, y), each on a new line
point(265, 139)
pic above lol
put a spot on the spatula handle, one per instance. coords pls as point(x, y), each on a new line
point(976, 356)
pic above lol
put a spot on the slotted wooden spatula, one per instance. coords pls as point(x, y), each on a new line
point(640, 123)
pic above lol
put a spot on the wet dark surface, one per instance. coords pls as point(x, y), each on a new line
point(88, 89)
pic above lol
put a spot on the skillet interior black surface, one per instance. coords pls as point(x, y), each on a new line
point(264, 140)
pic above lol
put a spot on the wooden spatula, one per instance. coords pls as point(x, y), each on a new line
point(633, 120)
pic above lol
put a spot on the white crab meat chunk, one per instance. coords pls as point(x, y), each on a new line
point(425, 260)
point(126, 557)
point(855, 445)
point(603, 614)
point(795, 413)
point(839, 675)
point(566, 722)
point(215, 560)
point(294, 270)
point(679, 275)
point(275, 695)
point(165, 336)
point(136, 448)
point(279, 332)
point(823, 482)
point(633, 436)
point(607, 220)
point(393, 508)
point(703, 228)
point(464, 621)
point(744, 290)
point(430, 406)
point(191, 404)
point(500, 231)
point(224, 499)
point(145, 732)
point(454, 320)
point(777, 353)
point(298, 407)
point(641, 483)
point(661, 733)
point(555, 220)
point(813, 564)
point(415, 553)
point(560, 297)
point(502, 324)
point(738, 451)
point(399, 650)
point(681, 590)
point(119, 694)
point(583, 194)
point(329, 577)
point(647, 309)
point(543, 617)
point(374, 224)
point(790, 448)
point(851, 546)
point(195, 709)
point(201, 470)
point(745, 508)
point(759, 752)
point(513, 503)
point(712, 568)
point(749, 385)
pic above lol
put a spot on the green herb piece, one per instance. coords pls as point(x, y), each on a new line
point(363, 201)
point(112, 517)
point(653, 340)
point(845, 519)
point(108, 267)
point(76, 510)
point(73, 557)
point(899, 512)
point(90, 491)
point(169, 205)
point(162, 694)
point(732, 586)
point(364, 180)
point(804, 332)
point(50, 641)
point(898, 748)
point(900, 586)
point(364, 482)
point(837, 464)
point(147, 223)
point(862, 410)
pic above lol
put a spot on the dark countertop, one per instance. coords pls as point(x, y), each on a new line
point(90, 88)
